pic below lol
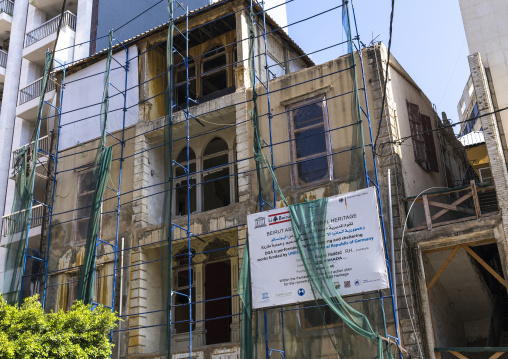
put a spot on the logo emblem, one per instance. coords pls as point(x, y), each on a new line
point(259, 222)
point(347, 284)
point(301, 292)
point(357, 282)
point(265, 295)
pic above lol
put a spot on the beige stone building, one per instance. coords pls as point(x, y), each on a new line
point(312, 152)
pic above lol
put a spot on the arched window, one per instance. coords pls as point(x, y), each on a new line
point(181, 182)
point(216, 175)
point(214, 71)
point(180, 84)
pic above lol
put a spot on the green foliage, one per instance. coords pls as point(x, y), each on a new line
point(27, 332)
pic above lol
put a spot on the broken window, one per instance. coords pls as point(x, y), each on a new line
point(86, 189)
point(311, 145)
point(183, 286)
point(180, 84)
point(214, 74)
point(275, 68)
point(321, 317)
point(216, 175)
point(423, 138)
point(182, 198)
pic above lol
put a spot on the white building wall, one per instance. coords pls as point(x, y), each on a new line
point(486, 26)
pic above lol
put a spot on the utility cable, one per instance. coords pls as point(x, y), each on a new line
point(386, 78)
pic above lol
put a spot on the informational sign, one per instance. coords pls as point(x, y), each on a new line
point(354, 247)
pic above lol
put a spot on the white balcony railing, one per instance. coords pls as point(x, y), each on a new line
point(44, 145)
point(15, 222)
point(7, 6)
point(50, 27)
point(3, 58)
point(33, 90)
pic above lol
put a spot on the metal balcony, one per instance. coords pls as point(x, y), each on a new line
point(3, 58)
point(7, 7)
point(33, 90)
point(44, 150)
point(50, 27)
point(14, 222)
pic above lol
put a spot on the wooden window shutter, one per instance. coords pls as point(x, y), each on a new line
point(430, 147)
point(416, 127)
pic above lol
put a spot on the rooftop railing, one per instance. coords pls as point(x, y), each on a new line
point(50, 27)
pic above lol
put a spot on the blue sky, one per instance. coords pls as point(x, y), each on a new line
point(428, 40)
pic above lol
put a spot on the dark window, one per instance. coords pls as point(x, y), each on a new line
point(86, 189)
point(310, 145)
point(423, 139)
point(181, 182)
point(180, 84)
point(214, 75)
point(321, 317)
point(216, 171)
point(472, 119)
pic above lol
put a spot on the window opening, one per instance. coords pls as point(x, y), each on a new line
point(181, 182)
point(86, 189)
point(181, 302)
point(275, 68)
point(216, 175)
point(423, 139)
point(214, 72)
point(311, 145)
point(180, 81)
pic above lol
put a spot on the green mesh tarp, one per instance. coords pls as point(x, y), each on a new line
point(167, 212)
point(245, 293)
point(19, 222)
point(101, 170)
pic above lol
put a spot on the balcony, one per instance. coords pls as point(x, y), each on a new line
point(457, 204)
point(3, 65)
point(38, 40)
point(14, 222)
point(28, 100)
point(6, 10)
point(44, 150)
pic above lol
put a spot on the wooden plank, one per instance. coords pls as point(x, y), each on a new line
point(452, 207)
point(458, 355)
point(450, 247)
point(458, 201)
point(484, 265)
point(427, 212)
point(443, 267)
point(475, 199)
point(497, 355)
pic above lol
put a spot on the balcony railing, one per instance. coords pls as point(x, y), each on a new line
point(7, 6)
point(453, 205)
point(50, 27)
point(3, 58)
point(44, 146)
point(15, 222)
point(34, 90)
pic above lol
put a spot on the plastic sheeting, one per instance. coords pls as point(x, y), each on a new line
point(82, 101)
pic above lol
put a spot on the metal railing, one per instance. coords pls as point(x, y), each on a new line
point(44, 146)
point(14, 222)
point(7, 6)
point(3, 58)
point(50, 27)
point(33, 90)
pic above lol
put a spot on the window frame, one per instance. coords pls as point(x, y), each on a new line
point(78, 196)
point(178, 182)
point(229, 165)
point(208, 57)
point(422, 135)
point(296, 181)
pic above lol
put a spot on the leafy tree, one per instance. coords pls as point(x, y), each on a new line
point(26, 332)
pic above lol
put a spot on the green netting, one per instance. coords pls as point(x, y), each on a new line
point(312, 245)
point(167, 212)
point(19, 222)
point(245, 293)
point(101, 170)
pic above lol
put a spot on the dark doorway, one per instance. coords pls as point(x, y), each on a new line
point(218, 285)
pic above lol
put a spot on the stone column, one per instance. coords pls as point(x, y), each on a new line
point(199, 334)
point(10, 94)
point(235, 301)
